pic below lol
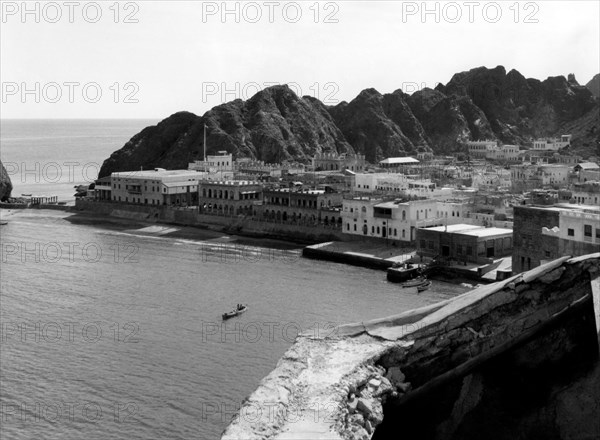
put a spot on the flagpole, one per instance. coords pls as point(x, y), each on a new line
point(205, 144)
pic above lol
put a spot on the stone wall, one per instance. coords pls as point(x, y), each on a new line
point(510, 360)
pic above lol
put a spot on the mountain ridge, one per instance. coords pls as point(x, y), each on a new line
point(276, 125)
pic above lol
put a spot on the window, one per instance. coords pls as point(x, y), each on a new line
point(430, 244)
point(469, 250)
point(587, 230)
point(547, 254)
point(422, 244)
point(459, 249)
point(355, 227)
point(598, 233)
point(571, 232)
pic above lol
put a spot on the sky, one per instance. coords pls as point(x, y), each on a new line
point(150, 59)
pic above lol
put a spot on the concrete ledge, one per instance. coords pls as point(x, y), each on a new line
point(335, 387)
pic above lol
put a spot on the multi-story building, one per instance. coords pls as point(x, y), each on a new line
point(553, 144)
point(221, 162)
point(299, 205)
point(544, 233)
point(231, 197)
point(156, 187)
point(554, 174)
point(464, 242)
point(586, 193)
point(481, 149)
point(395, 220)
point(398, 163)
point(380, 182)
point(339, 162)
point(587, 171)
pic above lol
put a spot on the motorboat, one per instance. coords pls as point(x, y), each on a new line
point(416, 282)
point(241, 308)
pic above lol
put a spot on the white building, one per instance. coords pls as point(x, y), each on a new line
point(553, 144)
point(214, 163)
point(388, 182)
point(481, 149)
point(554, 174)
point(156, 187)
point(394, 220)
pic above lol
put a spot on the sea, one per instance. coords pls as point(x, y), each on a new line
point(111, 329)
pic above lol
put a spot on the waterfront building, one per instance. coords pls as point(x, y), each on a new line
point(232, 197)
point(156, 187)
point(464, 242)
point(301, 206)
point(553, 144)
point(103, 189)
point(396, 220)
point(544, 233)
point(339, 162)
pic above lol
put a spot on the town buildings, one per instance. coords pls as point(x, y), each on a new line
point(553, 144)
point(339, 162)
point(464, 243)
point(156, 187)
point(544, 233)
point(233, 197)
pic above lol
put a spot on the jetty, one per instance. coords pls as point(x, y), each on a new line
point(511, 359)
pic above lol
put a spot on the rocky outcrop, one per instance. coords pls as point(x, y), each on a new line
point(594, 85)
point(5, 184)
point(438, 372)
point(275, 125)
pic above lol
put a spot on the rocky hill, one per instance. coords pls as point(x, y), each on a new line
point(5, 183)
point(276, 125)
point(594, 85)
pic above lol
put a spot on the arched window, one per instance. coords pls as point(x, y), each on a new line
point(403, 215)
point(364, 209)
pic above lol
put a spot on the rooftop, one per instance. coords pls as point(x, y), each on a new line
point(399, 160)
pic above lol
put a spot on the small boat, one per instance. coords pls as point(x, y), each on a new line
point(424, 286)
point(416, 282)
point(241, 308)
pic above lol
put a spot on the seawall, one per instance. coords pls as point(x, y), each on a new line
point(514, 359)
point(238, 225)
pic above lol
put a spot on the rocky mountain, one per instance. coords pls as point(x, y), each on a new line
point(5, 183)
point(594, 85)
point(276, 125)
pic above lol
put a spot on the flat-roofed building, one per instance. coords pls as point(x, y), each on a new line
point(398, 162)
point(304, 206)
point(552, 144)
point(544, 233)
point(231, 197)
point(156, 187)
point(396, 220)
point(339, 162)
point(464, 242)
point(214, 163)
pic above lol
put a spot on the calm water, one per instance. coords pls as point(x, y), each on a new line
point(111, 332)
point(50, 157)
